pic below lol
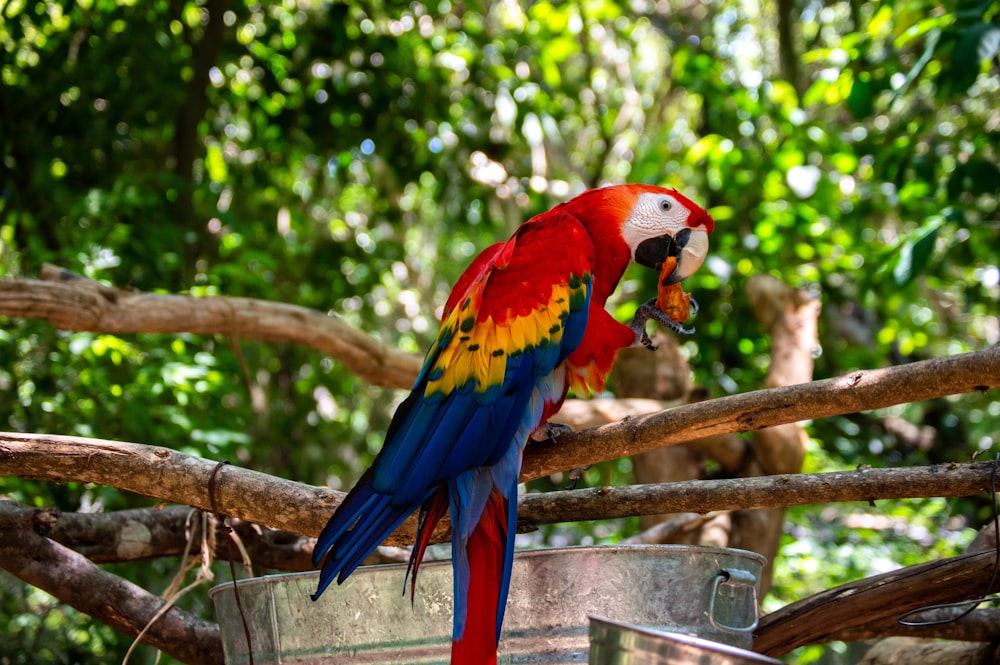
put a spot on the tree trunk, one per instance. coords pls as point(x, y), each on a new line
point(790, 317)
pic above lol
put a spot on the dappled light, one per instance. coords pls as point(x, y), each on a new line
point(352, 158)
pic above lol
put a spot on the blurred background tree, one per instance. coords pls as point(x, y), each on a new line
point(352, 158)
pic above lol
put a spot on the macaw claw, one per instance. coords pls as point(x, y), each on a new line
point(648, 310)
point(574, 477)
point(550, 430)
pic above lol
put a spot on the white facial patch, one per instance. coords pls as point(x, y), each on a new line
point(653, 216)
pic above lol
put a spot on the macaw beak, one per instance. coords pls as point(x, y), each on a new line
point(689, 247)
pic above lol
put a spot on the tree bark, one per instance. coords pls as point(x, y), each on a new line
point(71, 302)
point(186, 144)
point(788, 60)
point(912, 650)
point(303, 509)
point(120, 604)
point(858, 391)
point(821, 617)
point(790, 317)
point(145, 533)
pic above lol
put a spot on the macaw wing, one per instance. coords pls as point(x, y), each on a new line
point(522, 312)
point(518, 311)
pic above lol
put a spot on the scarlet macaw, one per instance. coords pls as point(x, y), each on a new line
point(524, 324)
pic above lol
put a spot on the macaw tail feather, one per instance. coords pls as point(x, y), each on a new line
point(431, 513)
point(362, 521)
point(489, 572)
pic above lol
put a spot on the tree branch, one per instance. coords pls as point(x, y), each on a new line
point(979, 626)
point(71, 302)
point(302, 509)
point(145, 533)
point(165, 474)
point(116, 602)
point(859, 391)
point(703, 496)
point(821, 617)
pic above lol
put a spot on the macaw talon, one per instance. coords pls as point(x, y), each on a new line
point(575, 475)
point(550, 430)
point(648, 310)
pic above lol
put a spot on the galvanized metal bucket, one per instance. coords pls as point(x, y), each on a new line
point(705, 591)
point(614, 643)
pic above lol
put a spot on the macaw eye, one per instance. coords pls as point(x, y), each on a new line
point(665, 205)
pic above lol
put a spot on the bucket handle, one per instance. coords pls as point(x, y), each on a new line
point(738, 578)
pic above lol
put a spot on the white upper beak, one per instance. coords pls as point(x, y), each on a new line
point(691, 256)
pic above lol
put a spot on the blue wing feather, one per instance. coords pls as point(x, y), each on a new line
point(465, 421)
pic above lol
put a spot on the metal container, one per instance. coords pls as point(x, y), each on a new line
point(613, 643)
point(705, 591)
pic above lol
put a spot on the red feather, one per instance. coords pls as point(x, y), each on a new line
point(525, 322)
point(478, 645)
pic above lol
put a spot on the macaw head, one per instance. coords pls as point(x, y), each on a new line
point(641, 223)
point(664, 223)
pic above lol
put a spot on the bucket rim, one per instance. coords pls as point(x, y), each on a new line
point(522, 554)
point(682, 639)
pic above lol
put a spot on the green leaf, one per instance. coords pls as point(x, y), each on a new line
point(976, 43)
point(933, 37)
point(977, 176)
point(861, 100)
point(915, 252)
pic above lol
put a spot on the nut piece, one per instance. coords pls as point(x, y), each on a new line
point(670, 298)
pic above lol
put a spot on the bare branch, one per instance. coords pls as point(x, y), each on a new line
point(116, 602)
point(859, 391)
point(165, 474)
point(704, 496)
point(70, 302)
point(894, 650)
point(978, 626)
point(145, 533)
point(821, 617)
point(302, 509)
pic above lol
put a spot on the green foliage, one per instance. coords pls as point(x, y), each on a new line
point(353, 157)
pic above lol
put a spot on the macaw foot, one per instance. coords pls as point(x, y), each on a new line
point(648, 310)
point(550, 430)
point(574, 476)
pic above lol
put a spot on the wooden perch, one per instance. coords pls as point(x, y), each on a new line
point(120, 604)
point(822, 616)
point(303, 509)
point(71, 302)
point(703, 496)
point(135, 534)
point(858, 391)
point(981, 625)
point(162, 473)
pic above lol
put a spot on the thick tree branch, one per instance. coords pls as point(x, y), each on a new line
point(120, 604)
point(165, 474)
point(70, 302)
point(821, 617)
point(981, 625)
point(145, 533)
point(895, 650)
point(302, 509)
point(859, 391)
point(703, 496)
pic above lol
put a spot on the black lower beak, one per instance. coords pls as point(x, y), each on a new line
point(654, 251)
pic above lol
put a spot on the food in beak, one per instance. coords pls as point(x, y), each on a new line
point(670, 297)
